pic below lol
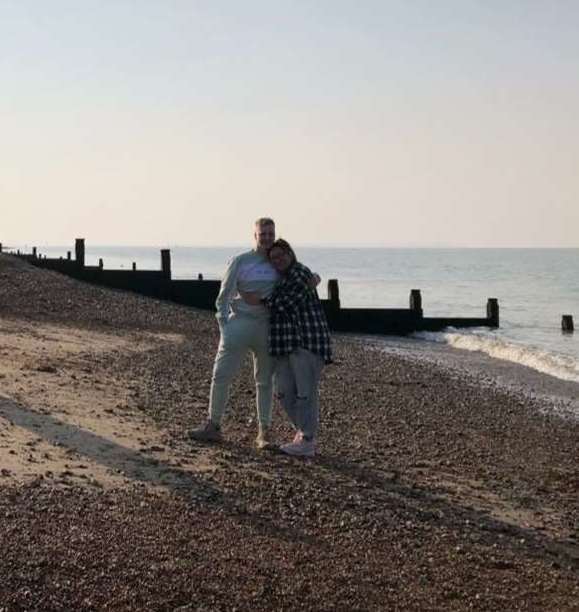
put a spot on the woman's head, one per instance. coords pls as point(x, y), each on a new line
point(281, 255)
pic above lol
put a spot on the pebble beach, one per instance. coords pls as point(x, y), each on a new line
point(432, 490)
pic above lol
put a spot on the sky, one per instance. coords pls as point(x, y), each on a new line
point(390, 123)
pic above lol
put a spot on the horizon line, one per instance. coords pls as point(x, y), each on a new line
point(295, 244)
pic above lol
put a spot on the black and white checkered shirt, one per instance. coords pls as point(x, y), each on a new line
point(297, 318)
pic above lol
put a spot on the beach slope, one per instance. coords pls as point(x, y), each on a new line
point(431, 491)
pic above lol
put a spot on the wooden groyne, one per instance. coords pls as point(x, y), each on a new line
point(202, 293)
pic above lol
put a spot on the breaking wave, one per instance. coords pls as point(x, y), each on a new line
point(555, 364)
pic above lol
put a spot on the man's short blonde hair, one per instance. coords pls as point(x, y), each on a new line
point(263, 221)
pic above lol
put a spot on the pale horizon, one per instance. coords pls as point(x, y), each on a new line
point(378, 125)
point(249, 244)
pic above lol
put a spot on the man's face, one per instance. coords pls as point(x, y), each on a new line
point(281, 260)
point(264, 236)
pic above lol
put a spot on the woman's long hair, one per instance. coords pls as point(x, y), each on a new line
point(285, 246)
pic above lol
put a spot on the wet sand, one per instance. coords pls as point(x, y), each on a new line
point(434, 489)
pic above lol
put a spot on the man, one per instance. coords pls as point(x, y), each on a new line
point(244, 328)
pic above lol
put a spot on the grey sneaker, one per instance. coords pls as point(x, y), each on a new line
point(264, 441)
point(303, 448)
point(208, 433)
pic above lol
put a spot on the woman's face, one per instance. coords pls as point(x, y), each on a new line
point(281, 260)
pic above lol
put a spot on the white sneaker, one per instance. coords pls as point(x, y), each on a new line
point(303, 448)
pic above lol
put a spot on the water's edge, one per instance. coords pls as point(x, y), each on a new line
point(547, 392)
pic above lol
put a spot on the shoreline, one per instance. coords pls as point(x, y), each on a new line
point(537, 387)
point(430, 492)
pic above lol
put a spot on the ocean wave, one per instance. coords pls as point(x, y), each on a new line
point(561, 366)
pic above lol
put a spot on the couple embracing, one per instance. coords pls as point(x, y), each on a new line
point(268, 305)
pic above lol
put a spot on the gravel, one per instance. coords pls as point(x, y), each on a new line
point(430, 492)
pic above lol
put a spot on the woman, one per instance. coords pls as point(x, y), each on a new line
point(299, 339)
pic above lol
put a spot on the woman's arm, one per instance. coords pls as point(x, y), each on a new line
point(253, 298)
point(293, 291)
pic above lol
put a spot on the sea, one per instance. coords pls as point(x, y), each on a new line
point(534, 287)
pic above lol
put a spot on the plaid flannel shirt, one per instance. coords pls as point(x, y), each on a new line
point(297, 318)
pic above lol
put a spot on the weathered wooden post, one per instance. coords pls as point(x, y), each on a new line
point(166, 263)
point(334, 293)
point(493, 312)
point(79, 252)
point(34, 252)
point(567, 324)
point(200, 276)
point(134, 266)
point(333, 310)
point(68, 255)
point(416, 301)
point(101, 263)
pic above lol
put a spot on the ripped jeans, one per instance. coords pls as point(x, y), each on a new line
point(297, 379)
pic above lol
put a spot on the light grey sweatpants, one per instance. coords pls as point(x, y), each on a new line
point(240, 335)
point(297, 380)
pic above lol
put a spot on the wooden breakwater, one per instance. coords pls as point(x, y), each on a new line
point(202, 293)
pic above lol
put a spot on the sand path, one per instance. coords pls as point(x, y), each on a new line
point(63, 420)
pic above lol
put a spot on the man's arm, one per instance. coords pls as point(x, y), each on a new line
point(227, 290)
